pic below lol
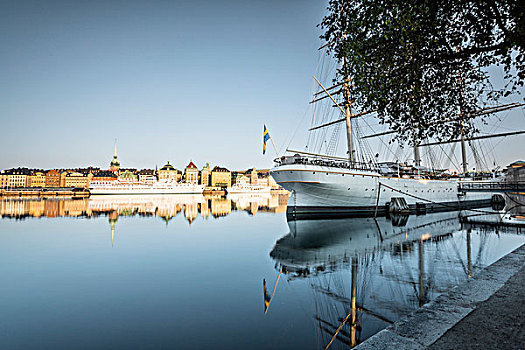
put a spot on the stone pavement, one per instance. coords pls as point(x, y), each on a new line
point(497, 323)
point(486, 312)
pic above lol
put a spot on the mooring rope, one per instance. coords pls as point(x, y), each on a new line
point(433, 202)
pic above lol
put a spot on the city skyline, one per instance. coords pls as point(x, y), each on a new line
point(170, 80)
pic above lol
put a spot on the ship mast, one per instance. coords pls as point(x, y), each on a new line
point(462, 130)
point(417, 156)
point(348, 116)
point(348, 112)
point(463, 149)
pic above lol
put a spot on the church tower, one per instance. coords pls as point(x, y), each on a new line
point(114, 166)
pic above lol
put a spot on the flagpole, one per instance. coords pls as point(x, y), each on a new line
point(273, 144)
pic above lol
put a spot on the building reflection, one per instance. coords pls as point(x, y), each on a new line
point(367, 273)
point(165, 207)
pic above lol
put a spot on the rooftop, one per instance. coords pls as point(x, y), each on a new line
point(167, 166)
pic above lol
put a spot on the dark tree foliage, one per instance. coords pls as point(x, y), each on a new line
point(423, 64)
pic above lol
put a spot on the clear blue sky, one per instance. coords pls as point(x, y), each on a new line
point(168, 79)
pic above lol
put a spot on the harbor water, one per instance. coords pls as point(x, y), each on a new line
point(194, 272)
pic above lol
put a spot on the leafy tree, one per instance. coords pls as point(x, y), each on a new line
point(423, 64)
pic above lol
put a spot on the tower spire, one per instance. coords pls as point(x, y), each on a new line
point(115, 164)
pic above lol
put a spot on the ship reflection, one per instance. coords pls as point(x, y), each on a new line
point(365, 274)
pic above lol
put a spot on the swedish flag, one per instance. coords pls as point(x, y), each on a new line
point(266, 137)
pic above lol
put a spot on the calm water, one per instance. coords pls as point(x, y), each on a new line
point(189, 272)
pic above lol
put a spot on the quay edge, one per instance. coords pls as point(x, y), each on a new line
point(426, 325)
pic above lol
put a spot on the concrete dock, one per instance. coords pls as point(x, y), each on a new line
point(44, 192)
point(485, 312)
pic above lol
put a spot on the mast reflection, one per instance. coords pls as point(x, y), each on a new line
point(366, 273)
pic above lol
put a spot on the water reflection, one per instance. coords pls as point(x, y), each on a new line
point(165, 207)
point(365, 274)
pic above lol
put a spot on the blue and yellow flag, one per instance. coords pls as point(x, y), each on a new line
point(266, 137)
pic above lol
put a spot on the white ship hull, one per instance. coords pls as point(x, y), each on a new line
point(139, 188)
point(326, 191)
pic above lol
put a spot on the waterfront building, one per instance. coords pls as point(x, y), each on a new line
point(205, 175)
point(254, 180)
point(147, 175)
point(63, 174)
point(516, 172)
point(265, 179)
point(16, 177)
point(221, 177)
point(74, 179)
point(105, 175)
point(3, 179)
point(36, 179)
point(241, 179)
point(53, 178)
point(169, 173)
point(114, 165)
point(191, 174)
point(17, 180)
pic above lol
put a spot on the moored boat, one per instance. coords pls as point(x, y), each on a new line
point(159, 187)
point(323, 188)
point(248, 188)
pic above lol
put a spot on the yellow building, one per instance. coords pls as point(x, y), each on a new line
point(77, 180)
point(221, 177)
point(17, 177)
point(191, 174)
point(254, 180)
point(3, 180)
point(62, 181)
point(205, 175)
point(169, 173)
point(36, 179)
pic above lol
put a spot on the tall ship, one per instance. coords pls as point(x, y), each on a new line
point(157, 187)
point(322, 184)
